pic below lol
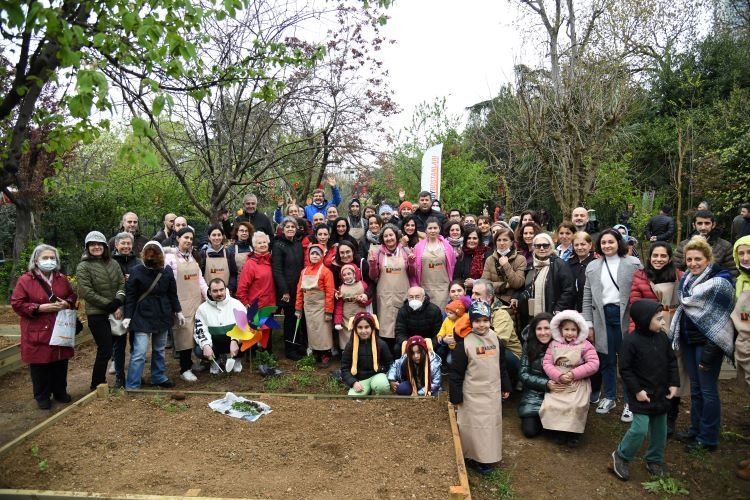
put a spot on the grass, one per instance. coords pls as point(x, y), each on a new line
point(665, 485)
point(264, 358)
point(334, 386)
point(276, 384)
point(731, 435)
point(499, 484)
point(307, 361)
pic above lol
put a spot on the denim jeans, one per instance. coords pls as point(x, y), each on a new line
point(138, 359)
point(705, 405)
point(608, 362)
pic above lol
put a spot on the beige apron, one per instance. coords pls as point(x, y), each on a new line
point(392, 290)
point(666, 294)
point(741, 320)
point(357, 233)
point(567, 411)
point(187, 275)
point(217, 267)
point(319, 331)
point(435, 276)
point(240, 259)
point(351, 308)
point(479, 417)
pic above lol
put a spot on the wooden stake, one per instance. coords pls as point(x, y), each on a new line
point(462, 491)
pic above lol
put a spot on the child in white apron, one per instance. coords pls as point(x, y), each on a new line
point(570, 360)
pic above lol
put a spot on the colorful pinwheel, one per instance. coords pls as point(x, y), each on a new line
point(253, 326)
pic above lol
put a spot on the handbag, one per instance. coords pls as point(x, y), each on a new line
point(64, 332)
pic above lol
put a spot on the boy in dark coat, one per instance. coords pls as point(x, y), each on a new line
point(648, 368)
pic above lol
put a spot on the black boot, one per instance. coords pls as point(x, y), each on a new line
point(672, 413)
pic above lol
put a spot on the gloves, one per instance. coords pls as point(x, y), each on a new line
point(180, 319)
point(113, 306)
point(126, 323)
point(208, 352)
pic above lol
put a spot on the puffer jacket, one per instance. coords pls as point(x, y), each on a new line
point(256, 281)
point(642, 289)
point(287, 261)
point(534, 381)
point(155, 312)
point(101, 285)
point(365, 365)
point(722, 250)
point(36, 327)
point(506, 279)
point(398, 372)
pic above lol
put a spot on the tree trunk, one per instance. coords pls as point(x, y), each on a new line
point(680, 161)
point(25, 232)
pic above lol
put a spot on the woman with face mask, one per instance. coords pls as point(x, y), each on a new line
point(37, 297)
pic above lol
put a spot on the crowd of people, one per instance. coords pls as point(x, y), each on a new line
point(407, 294)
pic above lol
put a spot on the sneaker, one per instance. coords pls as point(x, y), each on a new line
point(65, 398)
point(309, 351)
point(237, 368)
point(325, 361)
point(44, 404)
point(188, 376)
point(627, 415)
point(656, 469)
point(214, 370)
point(605, 405)
point(167, 384)
point(111, 369)
point(200, 366)
point(594, 398)
point(620, 466)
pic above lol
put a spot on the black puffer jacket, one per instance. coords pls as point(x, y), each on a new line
point(559, 289)
point(127, 262)
point(578, 269)
point(647, 362)
point(425, 321)
point(156, 311)
point(365, 366)
point(287, 260)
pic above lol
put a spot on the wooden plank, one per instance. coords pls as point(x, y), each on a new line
point(57, 495)
point(10, 357)
point(51, 420)
point(266, 394)
point(463, 488)
point(194, 492)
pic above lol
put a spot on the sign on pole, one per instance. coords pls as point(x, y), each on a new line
point(431, 170)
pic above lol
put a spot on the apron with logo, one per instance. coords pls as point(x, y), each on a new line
point(567, 410)
point(187, 274)
point(351, 308)
point(741, 320)
point(392, 290)
point(479, 417)
point(319, 331)
point(435, 279)
point(217, 267)
point(240, 259)
point(666, 295)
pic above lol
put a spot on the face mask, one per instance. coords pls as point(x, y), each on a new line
point(436, 209)
point(415, 304)
point(48, 265)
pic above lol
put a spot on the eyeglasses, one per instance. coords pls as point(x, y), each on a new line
point(542, 246)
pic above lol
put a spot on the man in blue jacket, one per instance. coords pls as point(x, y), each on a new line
point(319, 203)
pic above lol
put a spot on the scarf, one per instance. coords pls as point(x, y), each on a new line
point(542, 268)
point(477, 260)
point(456, 243)
point(707, 300)
point(355, 222)
point(355, 352)
point(373, 238)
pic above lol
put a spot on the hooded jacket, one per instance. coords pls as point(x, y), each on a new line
point(154, 313)
point(425, 321)
point(101, 285)
point(743, 276)
point(589, 358)
point(215, 319)
point(647, 362)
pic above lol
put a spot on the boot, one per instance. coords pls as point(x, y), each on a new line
point(672, 413)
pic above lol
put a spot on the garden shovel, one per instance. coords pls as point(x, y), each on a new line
point(229, 364)
point(213, 360)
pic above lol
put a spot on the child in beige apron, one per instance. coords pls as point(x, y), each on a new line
point(351, 298)
point(315, 296)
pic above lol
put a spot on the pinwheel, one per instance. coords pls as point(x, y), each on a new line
point(253, 326)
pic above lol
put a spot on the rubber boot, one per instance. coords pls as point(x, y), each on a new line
point(672, 413)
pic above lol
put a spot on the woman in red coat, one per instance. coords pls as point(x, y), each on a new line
point(256, 279)
point(38, 296)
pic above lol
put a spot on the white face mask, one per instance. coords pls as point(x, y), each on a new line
point(415, 304)
point(48, 265)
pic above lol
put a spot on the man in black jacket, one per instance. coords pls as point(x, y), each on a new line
point(418, 316)
point(259, 220)
point(424, 211)
point(660, 227)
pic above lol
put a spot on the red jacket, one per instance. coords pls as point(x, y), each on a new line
point(325, 283)
point(36, 328)
point(641, 289)
point(256, 281)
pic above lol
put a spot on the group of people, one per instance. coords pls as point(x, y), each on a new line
point(407, 295)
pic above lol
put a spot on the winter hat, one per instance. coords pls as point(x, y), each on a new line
point(642, 311)
point(422, 343)
point(355, 269)
point(405, 204)
point(315, 249)
point(457, 307)
point(569, 315)
point(373, 321)
point(95, 237)
point(479, 309)
point(385, 208)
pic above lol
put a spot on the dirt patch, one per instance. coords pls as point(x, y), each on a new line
point(7, 315)
point(303, 449)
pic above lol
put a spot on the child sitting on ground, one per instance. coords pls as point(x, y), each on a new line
point(570, 360)
point(351, 298)
point(648, 368)
point(417, 371)
point(445, 339)
point(366, 358)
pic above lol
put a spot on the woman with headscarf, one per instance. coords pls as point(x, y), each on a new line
point(151, 303)
point(702, 328)
point(470, 265)
point(39, 294)
point(355, 221)
point(417, 371)
point(366, 358)
point(218, 260)
point(434, 261)
point(191, 290)
point(101, 285)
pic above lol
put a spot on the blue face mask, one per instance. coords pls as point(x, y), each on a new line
point(48, 265)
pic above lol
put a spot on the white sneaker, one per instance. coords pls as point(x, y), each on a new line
point(627, 415)
point(188, 376)
point(237, 366)
point(309, 351)
point(214, 370)
point(605, 405)
point(111, 369)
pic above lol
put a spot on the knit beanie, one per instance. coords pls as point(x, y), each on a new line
point(406, 204)
point(385, 208)
point(316, 249)
point(457, 307)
